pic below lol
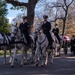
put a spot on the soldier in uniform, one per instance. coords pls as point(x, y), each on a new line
point(56, 32)
point(46, 26)
point(24, 27)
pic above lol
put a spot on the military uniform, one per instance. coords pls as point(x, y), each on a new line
point(56, 33)
point(25, 30)
point(46, 26)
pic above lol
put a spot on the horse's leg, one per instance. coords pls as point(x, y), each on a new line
point(59, 49)
point(10, 56)
point(36, 57)
point(12, 63)
point(25, 56)
point(31, 55)
point(4, 56)
point(22, 61)
point(46, 62)
point(43, 57)
point(52, 56)
point(56, 53)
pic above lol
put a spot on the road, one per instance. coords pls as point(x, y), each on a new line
point(63, 65)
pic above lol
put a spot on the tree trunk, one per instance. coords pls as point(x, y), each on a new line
point(63, 30)
point(31, 13)
point(64, 21)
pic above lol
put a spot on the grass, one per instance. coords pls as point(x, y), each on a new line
point(7, 52)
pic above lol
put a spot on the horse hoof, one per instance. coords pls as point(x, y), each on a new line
point(9, 62)
point(32, 62)
point(15, 59)
point(25, 63)
point(11, 66)
point(36, 65)
point(42, 65)
point(51, 62)
point(21, 65)
point(45, 63)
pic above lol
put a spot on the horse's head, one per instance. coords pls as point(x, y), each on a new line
point(38, 29)
point(14, 30)
point(16, 33)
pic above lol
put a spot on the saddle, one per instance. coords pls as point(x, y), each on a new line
point(3, 35)
point(7, 35)
point(50, 39)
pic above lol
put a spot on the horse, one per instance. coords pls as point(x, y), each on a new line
point(20, 43)
point(58, 47)
point(42, 46)
point(5, 40)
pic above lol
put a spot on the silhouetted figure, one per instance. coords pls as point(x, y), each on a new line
point(73, 44)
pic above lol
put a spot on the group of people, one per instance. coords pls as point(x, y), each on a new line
point(46, 26)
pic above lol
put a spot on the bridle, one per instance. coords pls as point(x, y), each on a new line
point(16, 30)
point(39, 31)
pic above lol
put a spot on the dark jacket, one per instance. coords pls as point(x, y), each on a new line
point(55, 31)
point(46, 26)
point(72, 44)
point(24, 27)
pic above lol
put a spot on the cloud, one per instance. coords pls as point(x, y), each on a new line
point(10, 19)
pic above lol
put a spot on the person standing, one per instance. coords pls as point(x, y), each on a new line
point(73, 44)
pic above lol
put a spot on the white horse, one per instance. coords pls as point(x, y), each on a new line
point(58, 47)
point(16, 34)
point(42, 46)
point(5, 45)
point(20, 43)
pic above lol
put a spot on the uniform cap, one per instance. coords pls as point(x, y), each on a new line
point(45, 16)
point(56, 24)
point(24, 17)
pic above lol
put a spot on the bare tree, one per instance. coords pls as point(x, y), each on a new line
point(64, 4)
point(30, 7)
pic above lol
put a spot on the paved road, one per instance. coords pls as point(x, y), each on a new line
point(64, 65)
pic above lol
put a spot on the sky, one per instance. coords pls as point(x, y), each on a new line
point(13, 13)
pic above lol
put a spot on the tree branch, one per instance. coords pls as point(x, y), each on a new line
point(65, 3)
point(16, 3)
point(70, 3)
point(57, 19)
point(57, 5)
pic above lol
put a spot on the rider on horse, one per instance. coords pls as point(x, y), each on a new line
point(24, 27)
point(56, 32)
point(46, 26)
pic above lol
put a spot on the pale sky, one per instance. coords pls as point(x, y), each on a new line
point(13, 13)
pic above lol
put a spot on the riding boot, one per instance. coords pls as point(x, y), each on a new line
point(29, 44)
point(50, 45)
point(35, 43)
point(50, 39)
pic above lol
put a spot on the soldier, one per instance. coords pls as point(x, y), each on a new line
point(24, 26)
point(46, 26)
point(56, 32)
